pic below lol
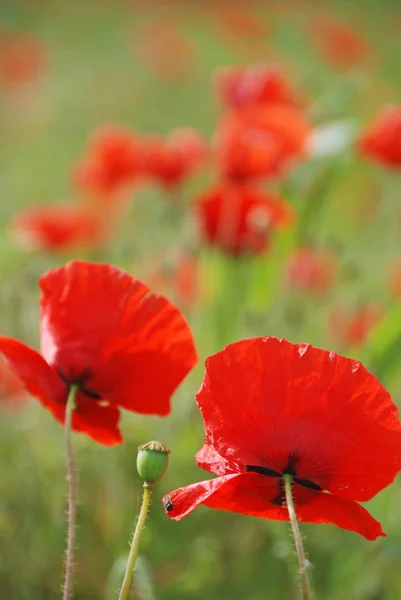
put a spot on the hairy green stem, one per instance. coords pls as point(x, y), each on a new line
point(72, 495)
point(133, 555)
point(303, 562)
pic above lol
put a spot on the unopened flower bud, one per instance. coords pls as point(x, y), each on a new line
point(152, 461)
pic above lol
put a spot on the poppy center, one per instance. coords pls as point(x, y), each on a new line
point(290, 469)
point(80, 383)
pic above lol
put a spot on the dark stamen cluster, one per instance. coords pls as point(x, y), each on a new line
point(290, 469)
point(79, 382)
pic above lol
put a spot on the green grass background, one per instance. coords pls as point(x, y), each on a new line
point(95, 74)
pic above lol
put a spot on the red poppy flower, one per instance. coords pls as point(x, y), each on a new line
point(187, 280)
point(259, 85)
point(339, 44)
point(260, 143)
point(180, 277)
point(171, 160)
point(114, 160)
point(22, 58)
point(381, 141)
point(104, 332)
point(237, 218)
point(354, 326)
point(57, 228)
point(311, 270)
point(272, 408)
point(165, 49)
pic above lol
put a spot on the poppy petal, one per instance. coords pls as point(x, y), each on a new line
point(159, 353)
point(39, 379)
point(349, 515)
point(209, 459)
point(97, 420)
point(296, 400)
point(101, 326)
point(254, 495)
point(216, 493)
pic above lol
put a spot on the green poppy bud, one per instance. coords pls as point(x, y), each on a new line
point(152, 461)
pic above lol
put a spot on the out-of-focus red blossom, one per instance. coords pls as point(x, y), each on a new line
point(259, 85)
point(58, 228)
point(22, 58)
point(180, 277)
point(13, 394)
point(395, 281)
point(187, 280)
point(105, 333)
point(165, 49)
point(339, 44)
point(242, 23)
point(114, 160)
point(170, 160)
point(381, 140)
point(353, 327)
point(260, 142)
point(238, 218)
point(272, 408)
point(311, 270)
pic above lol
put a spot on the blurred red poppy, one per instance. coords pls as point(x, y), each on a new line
point(258, 85)
point(238, 218)
point(339, 44)
point(187, 280)
point(179, 277)
point(169, 161)
point(381, 140)
point(113, 161)
point(272, 408)
point(311, 270)
point(57, 228)
point(104, 332)
point(165, 49)
point(22, 58)
point(354, 326)
point(260, 143)
point(242, 23)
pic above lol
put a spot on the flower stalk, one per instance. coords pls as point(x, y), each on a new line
point(303, 562)
point(151, 463)
point(133, 554)
point(72, 495)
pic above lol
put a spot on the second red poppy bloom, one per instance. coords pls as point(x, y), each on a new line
point(104, 332)
point(273, 408)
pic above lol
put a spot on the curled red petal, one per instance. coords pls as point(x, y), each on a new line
point(184, 500)
point(39, 379)
point(264, 400)
point(252, 494)
point(101, 326)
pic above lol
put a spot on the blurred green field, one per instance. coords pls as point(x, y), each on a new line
point(95, 73)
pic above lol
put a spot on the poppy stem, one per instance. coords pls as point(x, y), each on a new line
point(303, 562)
point(72, 495)
point(133, 554)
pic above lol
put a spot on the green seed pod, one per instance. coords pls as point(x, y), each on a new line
point(152, 461)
